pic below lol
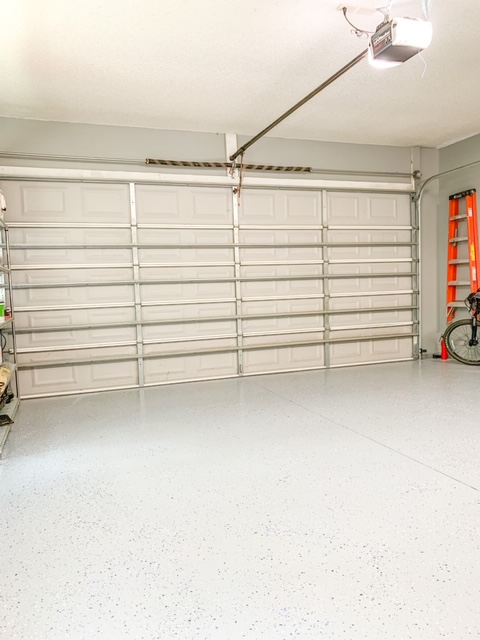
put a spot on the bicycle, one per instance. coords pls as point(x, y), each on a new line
point(461, 337)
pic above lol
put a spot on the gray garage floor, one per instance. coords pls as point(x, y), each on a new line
point(339, 504)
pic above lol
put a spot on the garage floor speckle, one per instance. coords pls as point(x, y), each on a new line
point(322, 505)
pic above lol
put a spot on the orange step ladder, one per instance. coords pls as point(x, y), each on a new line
point(462, 228)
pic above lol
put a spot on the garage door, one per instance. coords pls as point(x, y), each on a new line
point(126, 285)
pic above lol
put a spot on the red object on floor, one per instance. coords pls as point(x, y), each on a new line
point(444, 350)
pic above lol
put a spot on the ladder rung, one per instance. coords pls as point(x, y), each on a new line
point(455, 240)
point(463, 217)
point(463, 261)
point(457, 303)
point(459, 283)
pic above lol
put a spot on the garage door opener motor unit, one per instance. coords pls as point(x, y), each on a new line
point(398, 40)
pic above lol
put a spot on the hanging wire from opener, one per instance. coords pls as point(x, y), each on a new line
point(426, 9)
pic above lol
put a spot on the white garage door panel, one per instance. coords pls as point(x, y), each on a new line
point(279, 338)
point(70, 355)
point(368, 319)
point(277, 208)
point(150, 259)
point(369, 285)
point(196, 272)
point(73, 255)
point(71, 258)
point(280, 254)
point(269, 307)
point(186, 237)
point(288, 327)
point(67, 203)
point(373, 268)
point(372, 302)
point(281, 288)
point(64, 276)
point(187, 292)
point(190, 331)
point(369, 209)
point(366, 330)
point(75, 338)
point(389, 252)
point(122, 294)
point(180, 311)
point(74, 379)
point(183, 205)
point(191, 367)
point(70, 236)
point(392, 237)
point(367, 254)
point(191, 346)
point(284, 359)
point(35, 320)
point(365, 352)
point(176, 256)
point(68, 317)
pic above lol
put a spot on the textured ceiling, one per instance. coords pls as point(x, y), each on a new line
point(225, 66)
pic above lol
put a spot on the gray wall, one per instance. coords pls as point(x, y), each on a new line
point(61, 138)
point(67, 139)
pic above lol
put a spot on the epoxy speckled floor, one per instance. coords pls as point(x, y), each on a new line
point(322, 505)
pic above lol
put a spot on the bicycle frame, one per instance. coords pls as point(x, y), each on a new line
point(473, 301)
point(474, 340)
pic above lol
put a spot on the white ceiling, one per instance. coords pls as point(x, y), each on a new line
point(234, 66)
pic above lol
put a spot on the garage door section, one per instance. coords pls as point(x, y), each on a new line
point(74, 297)
point(281, 265)
point(336, 276)
point(126, 285)
point(371, 266)
point(120, 286)
point(186, 265)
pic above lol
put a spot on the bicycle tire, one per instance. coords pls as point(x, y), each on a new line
point(456, 337)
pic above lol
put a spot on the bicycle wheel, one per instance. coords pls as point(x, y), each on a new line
point(457, 337)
